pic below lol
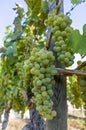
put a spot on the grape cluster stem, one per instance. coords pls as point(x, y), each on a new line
point(81, 66)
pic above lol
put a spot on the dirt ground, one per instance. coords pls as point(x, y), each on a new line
point(76, 121)
point(76, 124)
point(73, 124)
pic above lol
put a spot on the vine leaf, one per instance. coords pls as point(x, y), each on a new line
point(11, 54)
point(84, 30)
point(76, 1)
point(34, 5)
point(78, 41)
point(75, 39)
point(44, 6)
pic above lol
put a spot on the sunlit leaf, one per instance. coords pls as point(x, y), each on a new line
point(74, 40)
point(78, 41)
point(34, 5)
point(76, 1)
point(84, 30)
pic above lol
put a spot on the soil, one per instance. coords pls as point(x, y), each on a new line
point(76, 121)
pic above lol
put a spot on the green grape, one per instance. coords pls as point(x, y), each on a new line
point(66, 60)
point(54, 29)
point(57, 33)
point(43, 88)
point(54, 38)
point(63, 25)
point(82, 82)
point(42, 71)
point(50, 92)
point(39, 108)
point(45, 62)
point(59, 38)
point(61, 43)
point(37, 66)
point(38, 97)
point(32, 71)
point(58, 21)
point(44, 94)
point(31, 58)
point(41, 76)
point(61, 57)
point(39, 83)
point(37, 72)
point(53, 113)
point(63, 33)
point(57, 49)
point(53, 72)
point(46, 102)
point(48, 80)
point(64, 47)
point(44, 81)
point(68, 29)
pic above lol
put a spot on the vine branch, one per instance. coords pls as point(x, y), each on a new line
point(68, 72)
point(58, 3)
point(49, 41)
point(81, 66)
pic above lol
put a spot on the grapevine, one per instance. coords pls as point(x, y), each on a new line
point(28, 73)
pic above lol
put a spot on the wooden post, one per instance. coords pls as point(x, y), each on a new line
point(60, 97)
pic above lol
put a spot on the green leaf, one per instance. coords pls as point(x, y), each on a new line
point(34, 18)
point(11, 54)
point(34, 5)
point(84, 30)
point(11, 50)
point(82, 46)
point(76, 1)
point(7, 44)
point(78, 41)
point(17, 21)
point(2, 50)
point(74, 39)
point(44, 6)
point(7, 41)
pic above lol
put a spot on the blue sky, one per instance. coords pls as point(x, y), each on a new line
point(78, 15)
point(7, 14)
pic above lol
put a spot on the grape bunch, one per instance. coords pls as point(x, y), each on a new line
point(61, 31)
point(74, 91)
point(76, 94)
point(40, 67)
point(82, 83)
